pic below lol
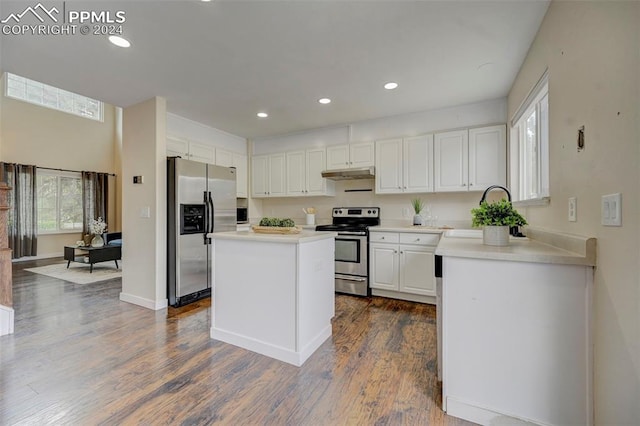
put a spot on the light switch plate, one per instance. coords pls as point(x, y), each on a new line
point(573, 209)
point(612, 210)
point(145, 212)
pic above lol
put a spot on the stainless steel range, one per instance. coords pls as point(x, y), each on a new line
point(352, 247)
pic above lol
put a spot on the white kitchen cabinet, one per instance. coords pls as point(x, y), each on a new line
point(177, 147)
point(304, 173)
point(350, 156)
point(296, 171)
point(402, 265)
point(384, 266)
point(239, 161)
point(470, 160)
point(404, 165)
point(487, 157)
point(451, 161)
point(224, 158)
point(417, 271)
point(201, 152)
point(268, 175)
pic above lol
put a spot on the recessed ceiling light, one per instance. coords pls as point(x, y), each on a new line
point(324, 101)
point(119, 41)
point(262, 115)
point(391, 85)
point(206, 0)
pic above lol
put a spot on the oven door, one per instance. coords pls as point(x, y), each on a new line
point(351, 255)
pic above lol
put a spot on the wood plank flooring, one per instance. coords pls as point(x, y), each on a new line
point(79, 356)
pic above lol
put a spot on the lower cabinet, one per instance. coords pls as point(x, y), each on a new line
point(402, 265)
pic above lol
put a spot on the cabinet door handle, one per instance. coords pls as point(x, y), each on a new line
point(382, 238)
point(470, 184)
point(417, 239)
point(464, 184)
point(395, 251)
point(401, 252)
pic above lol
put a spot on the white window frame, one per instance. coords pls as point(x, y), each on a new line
point(52, 97)
point(58, 174)
point(536, 101)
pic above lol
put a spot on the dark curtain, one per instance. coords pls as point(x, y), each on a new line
point(95, 198)
point(23, 209)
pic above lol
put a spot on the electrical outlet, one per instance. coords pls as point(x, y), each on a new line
point(406, 212)
point(611, 210)
point(573, 209)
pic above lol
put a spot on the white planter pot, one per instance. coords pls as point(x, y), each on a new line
point(417, 219)
point(495, 235)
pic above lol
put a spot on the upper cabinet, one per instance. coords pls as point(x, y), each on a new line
point(404, 165)
point(268, 176)
point(470, 160)
point(487, 157)
point(201, 152)
point(177, 147)
point(350, 156)
point(304, 173)
point(239, 161)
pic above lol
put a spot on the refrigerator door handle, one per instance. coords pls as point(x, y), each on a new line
point(212, 213)
point(206, 217)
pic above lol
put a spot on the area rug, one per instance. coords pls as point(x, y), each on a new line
point(78, 273)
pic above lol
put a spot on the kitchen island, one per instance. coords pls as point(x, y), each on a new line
point(516, 337)
point(273, 294)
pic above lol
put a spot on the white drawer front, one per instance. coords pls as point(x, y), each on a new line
point(420, 239)
point(384, 237)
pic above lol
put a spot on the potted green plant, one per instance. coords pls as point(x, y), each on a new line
point(417, 205)
point(495, 219)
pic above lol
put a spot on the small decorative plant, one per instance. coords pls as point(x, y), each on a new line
point(499, 213)
point(417, 204)
point(274, 221)
point(97, 226)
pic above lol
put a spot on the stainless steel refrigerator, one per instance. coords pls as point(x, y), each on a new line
point(201, 199)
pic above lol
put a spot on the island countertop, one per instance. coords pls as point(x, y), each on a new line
point(551, 248)
point(303, 237)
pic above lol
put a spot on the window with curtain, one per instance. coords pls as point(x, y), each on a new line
point(23, 214)
point(95, 196)
point(59, 200)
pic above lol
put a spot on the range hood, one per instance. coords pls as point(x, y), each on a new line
point(348, 174)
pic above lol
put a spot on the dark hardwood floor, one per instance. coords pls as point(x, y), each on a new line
point(80, 356)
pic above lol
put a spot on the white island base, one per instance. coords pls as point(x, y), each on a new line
point(273, 294)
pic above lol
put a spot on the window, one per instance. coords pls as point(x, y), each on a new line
point(59, 201)
point(42, 94)
point(529, 143)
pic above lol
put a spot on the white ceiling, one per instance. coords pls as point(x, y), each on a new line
point(221, 62)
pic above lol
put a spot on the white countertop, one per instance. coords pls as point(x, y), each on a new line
point(301, 238)
point(408, 228)
point(519, 250)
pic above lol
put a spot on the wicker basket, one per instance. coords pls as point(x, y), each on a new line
point(276, 229)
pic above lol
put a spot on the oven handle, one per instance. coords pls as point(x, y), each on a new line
point(350, 278)
point(357, 233)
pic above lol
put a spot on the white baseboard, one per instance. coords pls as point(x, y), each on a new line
point(267, 349)
point(484, 416)
point(155, 305)
point(6, 320)
point(38, 257)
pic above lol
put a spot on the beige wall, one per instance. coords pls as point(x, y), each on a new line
point(145, 251)
point(592, 50)
point(32, 134)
